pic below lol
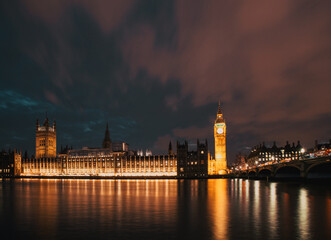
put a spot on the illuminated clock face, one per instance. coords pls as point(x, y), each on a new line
point(220, 130)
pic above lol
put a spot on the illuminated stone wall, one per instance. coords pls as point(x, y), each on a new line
point(220, 145)
point(45, 140)
point(116, 164)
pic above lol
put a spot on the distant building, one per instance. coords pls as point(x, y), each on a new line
point(10, 164)
point(120, 147)
point(319, 149)
point(262, 154)
point(321, 146)
point(192, 164)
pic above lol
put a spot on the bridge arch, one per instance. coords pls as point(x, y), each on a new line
point(243, 174)
point(319, 170)
point(288, 171)
point(265, 172)
point(252, 173)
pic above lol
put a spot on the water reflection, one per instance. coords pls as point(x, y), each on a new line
point(163, 209)
point(303, 214)
point(219, 207)
point(256, 202)
point(273, 221)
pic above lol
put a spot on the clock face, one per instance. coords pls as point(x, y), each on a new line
point(220, 130)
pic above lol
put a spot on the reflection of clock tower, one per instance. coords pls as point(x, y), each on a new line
point(220, 143)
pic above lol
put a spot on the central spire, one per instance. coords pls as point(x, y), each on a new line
point(219, 111)
point(106, 141)
point(219, 117)
point(46, 122)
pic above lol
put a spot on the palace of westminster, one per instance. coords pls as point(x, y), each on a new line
point(115, 159)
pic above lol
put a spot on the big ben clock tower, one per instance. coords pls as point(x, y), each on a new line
point(220, 143)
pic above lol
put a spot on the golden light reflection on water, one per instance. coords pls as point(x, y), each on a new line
point(46, 199)
point(273, 215)
point(256, 211)
point(198, 209)
point(247, 183)
point(303, 214)
point(219, 207)
point(286, 213)
point(103, 200)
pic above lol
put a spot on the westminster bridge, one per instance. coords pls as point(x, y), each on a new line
point(304, 168)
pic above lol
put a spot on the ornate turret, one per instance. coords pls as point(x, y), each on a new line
point(106, 141)
point(45, 139)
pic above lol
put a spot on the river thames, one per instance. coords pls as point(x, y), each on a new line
point(164, 209)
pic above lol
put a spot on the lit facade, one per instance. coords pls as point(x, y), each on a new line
point(265, 155)
point(103, 164)
point(45, 140)
point(110, 160)
point(218, 166)
point(116, 160)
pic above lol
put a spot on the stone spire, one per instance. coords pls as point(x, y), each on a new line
point(46, 122)
point(219, 111)
point(37, 124)
point(219, 117)
point(106, 141)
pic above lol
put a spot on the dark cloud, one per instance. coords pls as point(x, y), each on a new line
point(155, 70)
point(108, 14)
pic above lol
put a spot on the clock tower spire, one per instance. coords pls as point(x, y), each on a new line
point(220, 142)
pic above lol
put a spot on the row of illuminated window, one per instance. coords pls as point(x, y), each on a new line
point(282, 154)
point(122, 160)
point(276, 158)
point(194, 162)
point(99, 160)
point(42, 142)
point(103, 164)
point(132, 158)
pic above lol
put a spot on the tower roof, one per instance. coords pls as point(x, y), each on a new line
point(46, 122)
point(219, 111)
point(219, 118)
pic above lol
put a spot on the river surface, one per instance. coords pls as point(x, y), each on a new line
point(163, 209)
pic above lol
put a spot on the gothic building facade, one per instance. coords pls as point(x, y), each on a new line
point(218, 165)
point(192, 164)
point(262, 154)
point(45, 139)
point(116, 160)
point(108, 160)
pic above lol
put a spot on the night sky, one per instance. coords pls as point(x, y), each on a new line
point(155, 70)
